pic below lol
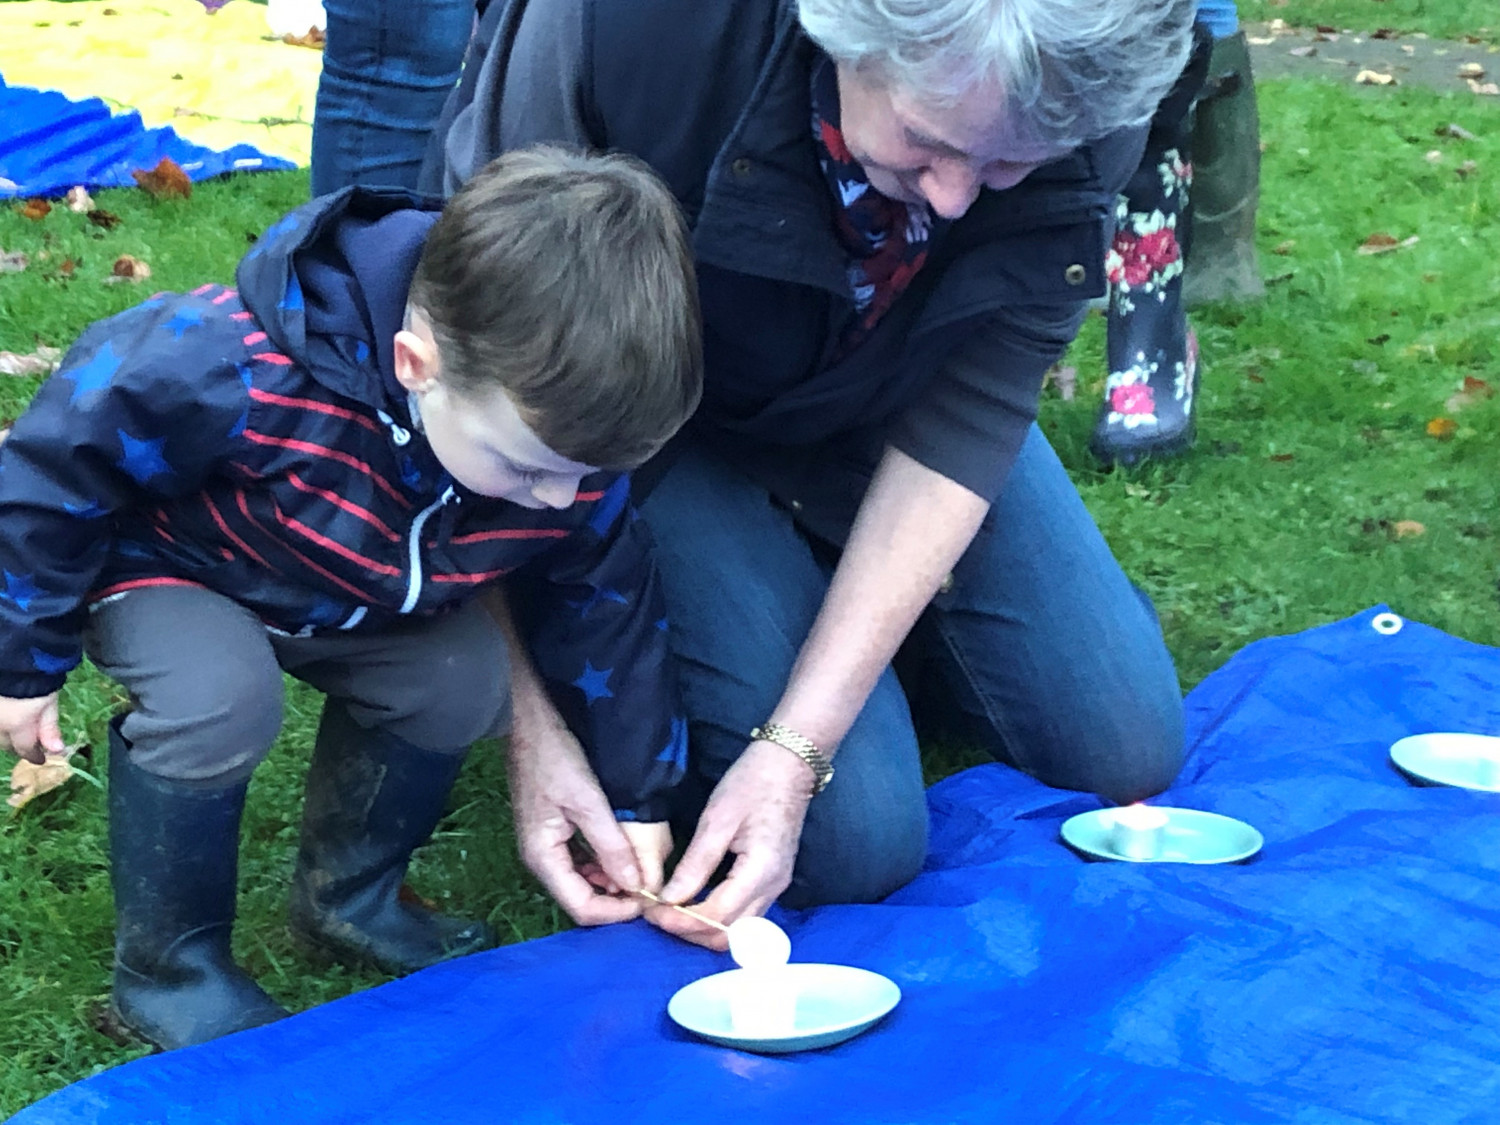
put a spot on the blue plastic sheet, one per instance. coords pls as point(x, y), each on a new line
point(1350, 973)
point(49, 143)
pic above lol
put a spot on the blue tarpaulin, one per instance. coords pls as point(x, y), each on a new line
point(49, 143)
point(1349, 973)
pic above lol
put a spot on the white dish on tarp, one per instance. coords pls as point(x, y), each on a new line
point(1468, 761)
point(1189, 836)
point(833, 1003)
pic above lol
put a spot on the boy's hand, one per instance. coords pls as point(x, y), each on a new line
point(756, 811)
point(28, 727)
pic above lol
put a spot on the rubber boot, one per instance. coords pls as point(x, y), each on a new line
point(1149, 394)
point(372, 799)
point(1221, 262)
point(174, 849)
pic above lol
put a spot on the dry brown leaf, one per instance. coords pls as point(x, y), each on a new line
point(43, 361)
point(1442, 428)
point(1470, 392)
point(13, 262)
point(314, 39)
point(35, 209)
point(1284, 248)
point(67, 267)
point(1382, 243)
point(1283, 457)
point(1385, 33)
point(79, 200)
point(1466, 169)
point(165, 181)
point(130, 269)
point(1404, 529)
point(1470, 70)
point(1375, 78)
point(29, 781)
point(102, 218)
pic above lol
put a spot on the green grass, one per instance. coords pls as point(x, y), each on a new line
point(1233, 543)
point(1447, 19)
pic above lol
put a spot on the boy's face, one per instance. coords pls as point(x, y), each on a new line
point(481, 438)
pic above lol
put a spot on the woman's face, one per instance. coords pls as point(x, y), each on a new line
point(939, 157)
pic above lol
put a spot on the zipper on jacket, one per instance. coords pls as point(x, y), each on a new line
point(414, 549)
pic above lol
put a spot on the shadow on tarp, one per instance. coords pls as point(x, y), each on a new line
point(49, 143)
point(1347, 974)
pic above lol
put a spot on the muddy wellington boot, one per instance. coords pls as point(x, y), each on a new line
point(1221, 263)
point(372, 799)
point(174, 850)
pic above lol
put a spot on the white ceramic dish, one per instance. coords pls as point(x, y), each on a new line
point(1189, 836)
point(833, 1003)
point(1469, 761)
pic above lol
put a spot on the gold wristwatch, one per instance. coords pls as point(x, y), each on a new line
point(801, 746)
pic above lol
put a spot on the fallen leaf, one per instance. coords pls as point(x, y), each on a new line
point(1454, 129)
point(1408, 529)
point(1303, 52)
point(1466, 169)
point(1284, 248)
point(164, 181)
point(1283, 456)
point(1442, 428)
point(1260, 41)
point(67, 267)
point(36, 210)
point(1139, 491)
point(43, 361)
point(1385, 33)
point(1378, 341)
point(1255, 377)
point(1408, 49)
point(13, 262)
point(29, 781)
point(1434, 156)
point(130, 269)
point(1382, 243)
point(1326, 29)
point(1470, 70)
point(314, 39)
point(1488, 89)
point(1470, 391)
point(1277, 26)
point(79, 200)
point(1374, 78)
point(102, 218)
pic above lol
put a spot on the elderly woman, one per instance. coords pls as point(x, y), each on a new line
point(899, 211)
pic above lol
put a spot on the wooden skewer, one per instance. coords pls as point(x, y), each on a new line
point(693, 914)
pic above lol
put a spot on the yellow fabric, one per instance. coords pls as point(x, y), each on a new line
point(236, 85)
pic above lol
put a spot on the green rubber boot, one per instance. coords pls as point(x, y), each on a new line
point(1221, 263)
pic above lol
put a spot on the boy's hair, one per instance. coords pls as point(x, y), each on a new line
point(567, 280)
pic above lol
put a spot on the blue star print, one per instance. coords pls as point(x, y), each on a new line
point(594, 683)
point(51, 665)
point(677, 747)
point(595, 597)
point(20, 589)
point(292, 301)
point(143, 459)
point(243, 370)
point(182, 320)
point(95, 374)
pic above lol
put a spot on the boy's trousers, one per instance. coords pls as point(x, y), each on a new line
point(205, 679)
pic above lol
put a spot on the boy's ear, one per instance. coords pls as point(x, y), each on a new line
point(416, 362)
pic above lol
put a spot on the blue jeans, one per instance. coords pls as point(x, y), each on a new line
point(1041, 651)
point(388, 68)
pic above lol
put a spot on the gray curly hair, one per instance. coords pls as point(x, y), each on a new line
point(1073, 70)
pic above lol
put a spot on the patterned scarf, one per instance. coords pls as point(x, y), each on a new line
point(886, 241)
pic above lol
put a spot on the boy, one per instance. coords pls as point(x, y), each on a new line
point(317, 473)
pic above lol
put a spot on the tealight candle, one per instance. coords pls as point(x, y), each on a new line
point(1137, 831)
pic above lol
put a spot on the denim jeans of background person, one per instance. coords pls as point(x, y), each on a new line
point(884, 284)
point(1185, 234)
point(388, 67)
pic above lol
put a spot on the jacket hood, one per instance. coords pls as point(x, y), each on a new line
point(328, 285)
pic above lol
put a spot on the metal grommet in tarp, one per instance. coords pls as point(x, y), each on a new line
point(1386, 624)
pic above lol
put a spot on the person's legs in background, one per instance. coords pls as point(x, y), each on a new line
point(1185, 234)
point(387, 70)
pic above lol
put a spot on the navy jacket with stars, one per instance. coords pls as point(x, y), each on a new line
point(255, 441)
